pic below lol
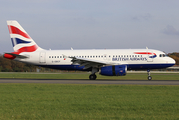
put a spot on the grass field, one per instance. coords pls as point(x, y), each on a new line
point(82, 102)
point(129, 76)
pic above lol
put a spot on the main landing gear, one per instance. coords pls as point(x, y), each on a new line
point(149, 77)
point(92, 77)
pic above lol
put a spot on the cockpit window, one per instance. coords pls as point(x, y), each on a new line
point(163, 55)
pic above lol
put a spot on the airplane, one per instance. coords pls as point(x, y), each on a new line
point(108, 62)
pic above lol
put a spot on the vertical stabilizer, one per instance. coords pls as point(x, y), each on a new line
point(20, 39)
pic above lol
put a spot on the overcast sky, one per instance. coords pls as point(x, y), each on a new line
point(94, 24)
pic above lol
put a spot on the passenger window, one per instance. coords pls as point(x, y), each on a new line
point(49, 56)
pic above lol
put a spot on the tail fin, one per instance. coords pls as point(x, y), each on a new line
point(21, 41)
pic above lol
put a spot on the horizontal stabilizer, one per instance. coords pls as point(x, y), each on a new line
point(12, 56)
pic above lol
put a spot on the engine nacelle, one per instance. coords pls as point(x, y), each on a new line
point(115, 70)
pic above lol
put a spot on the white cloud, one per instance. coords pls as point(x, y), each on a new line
point(146, 16)
point(170, 30)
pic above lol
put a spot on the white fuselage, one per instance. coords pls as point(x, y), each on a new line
point(133, 58)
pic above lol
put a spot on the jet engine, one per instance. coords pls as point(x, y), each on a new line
point(114, 70)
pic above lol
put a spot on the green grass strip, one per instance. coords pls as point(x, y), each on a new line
point(86, 102)
point(129, 76)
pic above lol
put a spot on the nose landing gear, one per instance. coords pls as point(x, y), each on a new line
point(149, 77)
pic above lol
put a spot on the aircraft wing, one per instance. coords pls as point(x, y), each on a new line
point(89, 62)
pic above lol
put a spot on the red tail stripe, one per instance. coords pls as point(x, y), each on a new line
point(14, 30)
point(26, 49)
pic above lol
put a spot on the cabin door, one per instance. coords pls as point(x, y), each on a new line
point(42, 57)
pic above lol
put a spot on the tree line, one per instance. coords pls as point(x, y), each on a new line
point(7, 65)
point(175, 56)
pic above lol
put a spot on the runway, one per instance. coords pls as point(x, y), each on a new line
point(74, 81)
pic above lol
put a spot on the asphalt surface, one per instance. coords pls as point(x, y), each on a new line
point(73, 81)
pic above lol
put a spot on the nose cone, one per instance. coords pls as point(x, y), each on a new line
point(171, 61)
